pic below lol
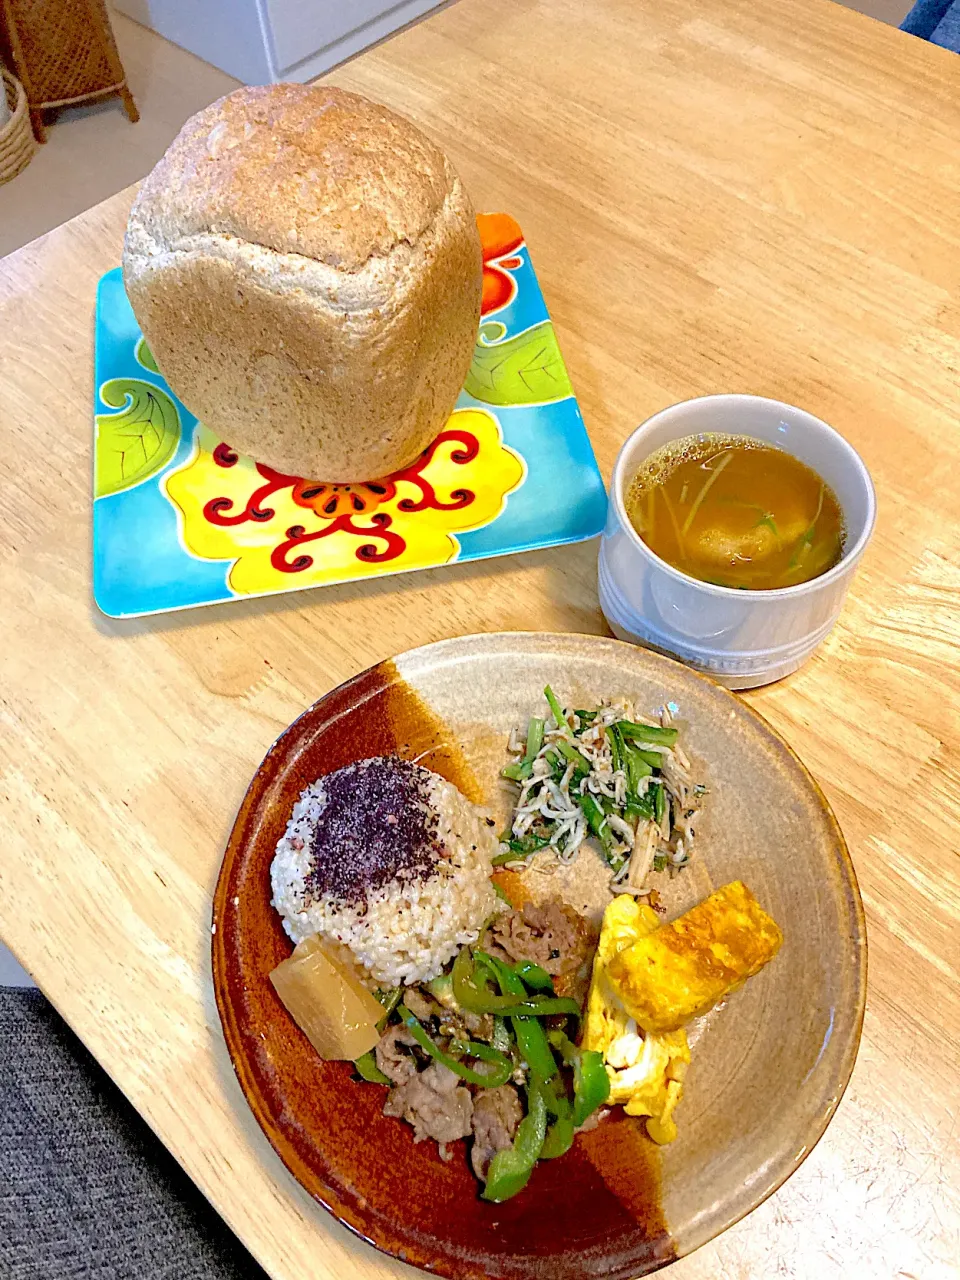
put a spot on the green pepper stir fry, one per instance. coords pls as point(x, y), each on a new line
point(563, 1085)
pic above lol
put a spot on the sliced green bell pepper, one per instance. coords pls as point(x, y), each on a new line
point(389, 997)
point(503, 1067)
point(510, 1170)
point(591, 1085)
point(563, 1045)
point(534, 976)
point(441, 988)
point(366, 1064)
point(479, 999)
point(531, 1037)
point(501, 1039)
point(559, 1138)
point(367, 1069)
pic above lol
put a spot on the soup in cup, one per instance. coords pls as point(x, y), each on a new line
point(740, 635)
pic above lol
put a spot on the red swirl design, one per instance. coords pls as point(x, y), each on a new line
point(344, 504)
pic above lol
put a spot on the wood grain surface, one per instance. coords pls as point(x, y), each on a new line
point(721, 197)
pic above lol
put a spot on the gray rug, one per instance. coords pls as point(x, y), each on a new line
point(86, 1190)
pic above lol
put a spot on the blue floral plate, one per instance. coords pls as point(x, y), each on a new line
point(180, 519)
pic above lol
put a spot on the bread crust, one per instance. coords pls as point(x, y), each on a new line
point(306, 269)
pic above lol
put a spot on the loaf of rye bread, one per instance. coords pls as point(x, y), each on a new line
point(306, 269)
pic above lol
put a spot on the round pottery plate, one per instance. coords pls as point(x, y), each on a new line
point(768, 1068)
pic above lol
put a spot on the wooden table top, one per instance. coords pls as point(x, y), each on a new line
point(720, 197)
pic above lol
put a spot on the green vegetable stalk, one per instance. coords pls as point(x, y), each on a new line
point(597, 821)
point(635, 768)
point(616, 746)
point(648, 733)
point(660, 801)
point(534, 738)
point(556, 710)
point(522, 847)
point(571, 753)
point(523, 768)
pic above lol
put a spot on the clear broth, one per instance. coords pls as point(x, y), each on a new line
point(737, 512)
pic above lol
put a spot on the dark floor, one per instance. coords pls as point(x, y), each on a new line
point(86, 1191)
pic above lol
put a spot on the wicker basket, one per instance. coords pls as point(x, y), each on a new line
point(17, 143)
point(64, 52)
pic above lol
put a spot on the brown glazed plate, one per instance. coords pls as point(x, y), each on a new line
point(768, 1068)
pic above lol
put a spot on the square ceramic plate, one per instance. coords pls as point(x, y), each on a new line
point(181, 520)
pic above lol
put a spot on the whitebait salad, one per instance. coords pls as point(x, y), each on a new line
point(607, 773)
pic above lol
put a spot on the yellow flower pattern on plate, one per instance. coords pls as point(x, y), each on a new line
point(281, 531)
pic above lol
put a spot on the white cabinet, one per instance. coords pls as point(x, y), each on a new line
point(262, 41)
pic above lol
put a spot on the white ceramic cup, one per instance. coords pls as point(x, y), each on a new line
point(740, 638)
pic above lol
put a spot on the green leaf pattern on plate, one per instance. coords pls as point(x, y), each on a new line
point(137, 442)
point(145, 356)
point(525, 369)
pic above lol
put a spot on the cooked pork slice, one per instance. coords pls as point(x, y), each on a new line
point(420, 1005)
point(435, 1103)
point(391, 1059)
point(496, 1115)
point(552, 935)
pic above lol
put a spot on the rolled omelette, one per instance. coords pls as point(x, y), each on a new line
point(684, 968)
